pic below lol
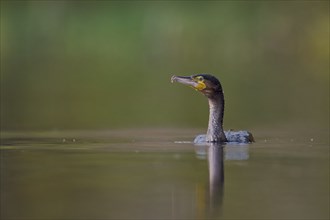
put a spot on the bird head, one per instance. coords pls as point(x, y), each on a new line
point(204, 83)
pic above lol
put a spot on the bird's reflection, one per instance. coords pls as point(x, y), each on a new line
point(215, 154)
point(216, 178)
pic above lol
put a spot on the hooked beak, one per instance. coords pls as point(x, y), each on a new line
point(186, 80)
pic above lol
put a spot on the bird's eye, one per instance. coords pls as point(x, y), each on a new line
point(200, 78)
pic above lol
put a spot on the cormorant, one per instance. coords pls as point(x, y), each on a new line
point(212, 89)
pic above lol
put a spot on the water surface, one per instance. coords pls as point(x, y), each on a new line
point(160, 174)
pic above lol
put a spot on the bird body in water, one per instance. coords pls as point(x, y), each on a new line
point(212, 89)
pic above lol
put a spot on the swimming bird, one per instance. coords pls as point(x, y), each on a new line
point(211, 87)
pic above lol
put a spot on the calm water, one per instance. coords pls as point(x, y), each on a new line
point(160, 174)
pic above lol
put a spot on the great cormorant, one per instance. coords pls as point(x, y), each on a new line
point(212, 89)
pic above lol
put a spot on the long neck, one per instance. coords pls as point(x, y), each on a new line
point(215, 131)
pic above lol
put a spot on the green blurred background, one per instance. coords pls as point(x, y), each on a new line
point(107, 64)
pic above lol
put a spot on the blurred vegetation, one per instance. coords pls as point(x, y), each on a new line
point(107, 64)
